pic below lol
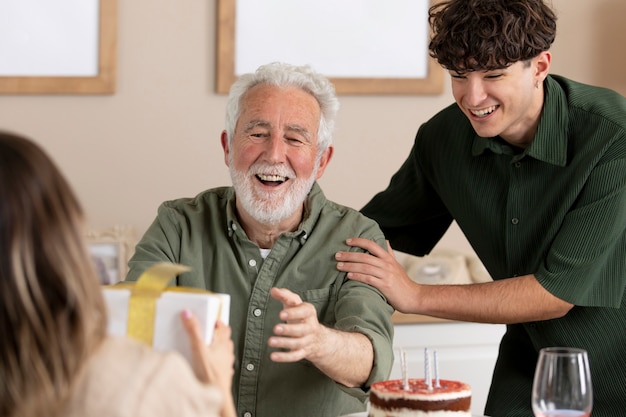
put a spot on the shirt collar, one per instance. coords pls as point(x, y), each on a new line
point(313, 205)
point(550, 142)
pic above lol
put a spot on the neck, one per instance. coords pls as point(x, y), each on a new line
point(265, 235)
point(530, 123)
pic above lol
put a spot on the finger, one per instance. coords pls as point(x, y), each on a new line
point(359, 257)
point(364, 265)
point(377, 260)
point(190, 323)
point(285, 296)
point(289, 343)
point(360, 263)
point(366, 244)
point(295, 330)
point(288, 356)
point(304, 312)
point(222, 336)
point(365, 279)
point(197, 346)
point(222, 331)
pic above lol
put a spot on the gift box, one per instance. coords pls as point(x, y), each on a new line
point(150, 311)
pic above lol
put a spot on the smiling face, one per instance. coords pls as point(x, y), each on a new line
point(505, 102)
point(273, 156)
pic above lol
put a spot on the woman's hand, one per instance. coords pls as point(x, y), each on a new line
point(214, 363)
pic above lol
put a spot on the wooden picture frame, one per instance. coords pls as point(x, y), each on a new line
point(102, 83)
point(432, 83)
point(110, 250)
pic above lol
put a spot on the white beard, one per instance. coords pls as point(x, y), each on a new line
point(272, 206)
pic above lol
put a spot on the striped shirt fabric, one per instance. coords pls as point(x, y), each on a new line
point(556, 209)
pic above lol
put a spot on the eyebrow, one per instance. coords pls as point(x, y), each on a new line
point(290, 128)
point(255, 123)
point(301, 130)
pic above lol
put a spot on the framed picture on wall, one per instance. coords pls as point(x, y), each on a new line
point(363, 46)
point(58, 47)
point(110, 251)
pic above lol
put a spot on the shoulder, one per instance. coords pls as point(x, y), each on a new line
point(448, 129)
point(344, 213)
point(592, 101)
point(129, 378)
point(211, 198)
point(327, 209)
point(450, 117)
point(196, 210)
point(350, 222)
point(119, 356)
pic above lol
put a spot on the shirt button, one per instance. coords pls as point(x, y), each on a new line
point(257, 312)
point(250, 367)
point(234, 226)
point(252, 262)
point(518, 164)
point(515, 220)
point(247, 414)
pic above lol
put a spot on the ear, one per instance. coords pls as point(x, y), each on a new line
point(324, 160)
point(542, 65)
point(224, 140)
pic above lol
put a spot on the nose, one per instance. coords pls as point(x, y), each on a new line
point(475, 93)
point(275, 148)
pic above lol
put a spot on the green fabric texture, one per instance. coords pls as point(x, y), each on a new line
point(556, 209)
point(204, 234)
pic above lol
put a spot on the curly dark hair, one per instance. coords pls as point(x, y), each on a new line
point(484, 35)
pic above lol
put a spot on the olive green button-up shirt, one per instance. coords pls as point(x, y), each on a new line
point(556, 209)
point(203, 233)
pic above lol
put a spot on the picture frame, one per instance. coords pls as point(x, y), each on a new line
point(363, 83)
point(106, 54)
point(110, 250)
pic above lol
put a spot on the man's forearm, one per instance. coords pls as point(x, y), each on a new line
point(346, 357)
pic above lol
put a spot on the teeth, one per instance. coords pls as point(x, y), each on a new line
point(271, 178)
point(483, 112)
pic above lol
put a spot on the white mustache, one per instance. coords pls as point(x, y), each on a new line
point(280, 170)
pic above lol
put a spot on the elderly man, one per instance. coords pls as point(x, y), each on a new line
point(308, 341)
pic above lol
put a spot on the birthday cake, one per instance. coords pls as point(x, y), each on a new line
point(392, 399)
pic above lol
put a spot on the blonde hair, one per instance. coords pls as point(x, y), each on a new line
point(52, 313)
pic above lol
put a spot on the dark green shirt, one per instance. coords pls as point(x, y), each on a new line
point(204, 233)
point(556, 209)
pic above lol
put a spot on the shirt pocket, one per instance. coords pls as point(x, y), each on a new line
point(324, 300)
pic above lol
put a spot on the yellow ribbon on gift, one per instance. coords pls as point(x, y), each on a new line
point(144, 295)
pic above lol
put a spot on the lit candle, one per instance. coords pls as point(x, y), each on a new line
point(427, 379)
point(436, 365)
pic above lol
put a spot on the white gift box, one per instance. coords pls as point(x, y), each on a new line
point(165, 322)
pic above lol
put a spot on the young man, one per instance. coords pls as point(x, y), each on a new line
point(532, 167)
point(308, 341)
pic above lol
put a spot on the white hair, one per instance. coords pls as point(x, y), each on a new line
point(286, 75)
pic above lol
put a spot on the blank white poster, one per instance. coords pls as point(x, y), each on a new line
point(49, 37)
point(340, 38)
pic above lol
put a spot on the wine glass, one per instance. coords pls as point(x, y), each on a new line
point(562, 384)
